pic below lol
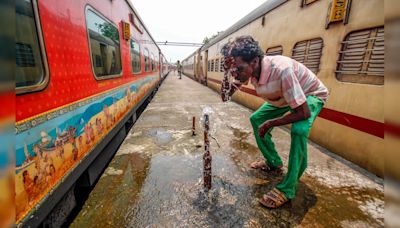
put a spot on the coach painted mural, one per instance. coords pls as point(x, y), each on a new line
point(7, 214)
point(49, 146)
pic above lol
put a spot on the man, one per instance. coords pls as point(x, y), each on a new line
point(287, 86)
point(179, 68)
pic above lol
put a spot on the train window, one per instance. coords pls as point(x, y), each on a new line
point(361, 59)
point(309, 53)
point(153, 67)
point(221, 67)
point(146, 60)
point(31, 73)
point(277, 50)
point(135, 57)
point(104, 46)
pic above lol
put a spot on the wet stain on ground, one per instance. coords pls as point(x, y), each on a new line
point(155, 180)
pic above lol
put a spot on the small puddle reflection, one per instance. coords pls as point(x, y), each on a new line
point(160, 136)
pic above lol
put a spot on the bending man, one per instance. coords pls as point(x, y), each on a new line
point(287, 86)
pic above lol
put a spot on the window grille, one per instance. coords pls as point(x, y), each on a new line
point(277, 50)
point(221, 68)
point(24, 55)
point(216, 67)
point(309, 53)
point(362, 57)
point(31, 72)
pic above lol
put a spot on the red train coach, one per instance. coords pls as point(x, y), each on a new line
point(84, 69)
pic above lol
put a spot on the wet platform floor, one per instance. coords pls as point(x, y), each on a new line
point(155, 179)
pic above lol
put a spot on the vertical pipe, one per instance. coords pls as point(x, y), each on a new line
point(194, 126)
point(207, 156)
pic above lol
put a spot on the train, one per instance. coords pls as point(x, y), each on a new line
point(84, 72)
point(342, 42)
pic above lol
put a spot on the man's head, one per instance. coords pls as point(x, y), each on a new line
point(242, 56)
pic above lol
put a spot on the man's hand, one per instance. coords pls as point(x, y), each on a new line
point(300, 113)
point(264, 128)
point(229, 63)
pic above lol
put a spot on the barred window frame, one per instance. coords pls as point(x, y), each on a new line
point(309, 53)
point(40, 51)
point(216, 65)
point(275, 50)
point(362, 56)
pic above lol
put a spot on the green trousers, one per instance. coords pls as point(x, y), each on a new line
point(298, 147)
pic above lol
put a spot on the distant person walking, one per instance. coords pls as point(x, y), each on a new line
point(179, 68)
point(287, 86)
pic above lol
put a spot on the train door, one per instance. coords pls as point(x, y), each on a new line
point(199, 65)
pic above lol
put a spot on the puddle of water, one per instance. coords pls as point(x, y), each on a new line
point(160, 136)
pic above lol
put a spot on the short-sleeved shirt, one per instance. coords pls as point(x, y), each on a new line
point(284, 81)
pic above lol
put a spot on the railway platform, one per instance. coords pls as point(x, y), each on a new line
point(155, 178)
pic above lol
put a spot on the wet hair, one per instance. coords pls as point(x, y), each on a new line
point(243, 46)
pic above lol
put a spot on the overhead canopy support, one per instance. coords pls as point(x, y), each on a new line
point(180, 44)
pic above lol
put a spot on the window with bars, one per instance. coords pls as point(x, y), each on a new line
point(209, 65)
point(309, 53)
point(277, 50)
point(24, 55)
point(221, 67)
point(361, 59)
point(31, 72)
point(216, 66)
point(212, 65)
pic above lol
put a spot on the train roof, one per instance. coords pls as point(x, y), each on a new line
point(141, 21)
point(253, 15)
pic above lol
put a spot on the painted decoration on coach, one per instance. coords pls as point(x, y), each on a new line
point(78, 76)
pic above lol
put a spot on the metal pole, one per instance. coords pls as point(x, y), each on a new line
point(194, 126)
point(207, 156)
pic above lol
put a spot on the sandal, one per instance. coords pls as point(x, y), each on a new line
point(273, 199)
point(277, 171)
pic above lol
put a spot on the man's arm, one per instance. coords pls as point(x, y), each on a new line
point(300, 113)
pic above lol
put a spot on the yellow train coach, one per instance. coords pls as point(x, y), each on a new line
point(342, 42)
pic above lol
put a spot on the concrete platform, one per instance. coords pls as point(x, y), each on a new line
point(155, 179)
